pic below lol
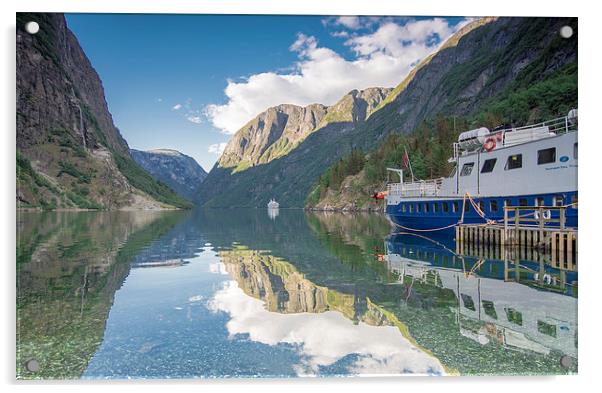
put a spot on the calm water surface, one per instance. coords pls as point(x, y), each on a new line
point(252, 293)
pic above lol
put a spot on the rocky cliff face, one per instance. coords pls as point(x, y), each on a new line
point(482, 62)
point(179, 171)
point(480, 66)
point(69, 152)
point(278, 130)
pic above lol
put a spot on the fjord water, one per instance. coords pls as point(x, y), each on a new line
point(252, 293)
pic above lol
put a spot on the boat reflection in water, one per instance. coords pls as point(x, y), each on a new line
point(273, 212)
point(516, 304)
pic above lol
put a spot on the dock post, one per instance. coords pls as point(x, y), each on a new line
point(562, 218)
point(541, 225)
point(505, 223)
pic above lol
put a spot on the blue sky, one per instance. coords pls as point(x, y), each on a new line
point(188, 82)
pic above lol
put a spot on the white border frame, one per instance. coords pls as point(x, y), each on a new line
point(589, 86)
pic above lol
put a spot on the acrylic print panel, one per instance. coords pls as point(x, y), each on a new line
point(230, 196)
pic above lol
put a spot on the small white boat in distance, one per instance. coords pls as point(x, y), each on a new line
point(272, 204)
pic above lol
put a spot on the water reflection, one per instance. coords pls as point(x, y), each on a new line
point(223, 293)
point(69, 266)
point(498, 301)
point(273, 213)
point(327, 325)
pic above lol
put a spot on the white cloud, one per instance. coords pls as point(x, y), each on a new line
point(177, 107)
point(383, 58)
point(217, 148)
point(359, 22)
point(340, 34)
point(322, 339)
point(414, 39)
point(194, 119)
point(351, 22)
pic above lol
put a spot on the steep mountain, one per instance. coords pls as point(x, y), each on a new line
point(278, 130)
point(69, 152)
point(179, 171)
point(489, 61)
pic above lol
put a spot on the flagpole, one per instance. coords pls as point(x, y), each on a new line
point(409, 163)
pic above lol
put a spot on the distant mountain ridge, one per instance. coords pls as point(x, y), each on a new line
point(481, 63)
point(69, 152)
point(179, 171)
point(278, 130)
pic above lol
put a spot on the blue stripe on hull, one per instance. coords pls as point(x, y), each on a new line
point(435, 219)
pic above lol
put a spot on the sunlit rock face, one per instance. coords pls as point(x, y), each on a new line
point(278, 130)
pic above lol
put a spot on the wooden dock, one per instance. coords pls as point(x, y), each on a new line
point(529, 230)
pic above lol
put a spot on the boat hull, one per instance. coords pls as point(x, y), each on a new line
point(436, 219)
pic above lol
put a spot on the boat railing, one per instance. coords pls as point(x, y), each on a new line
point(416, 188)
point(518, 135)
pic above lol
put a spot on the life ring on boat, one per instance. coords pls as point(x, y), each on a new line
point(379, 194)
point(489, 144)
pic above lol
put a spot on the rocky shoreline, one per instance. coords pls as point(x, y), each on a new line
point(347, 209)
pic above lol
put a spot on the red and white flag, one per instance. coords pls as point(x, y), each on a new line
point(406, 162)
point(406, 159)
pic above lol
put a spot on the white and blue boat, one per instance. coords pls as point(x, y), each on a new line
point(535, 165)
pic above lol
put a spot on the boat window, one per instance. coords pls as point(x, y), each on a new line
point(403, 207)
point(418, 208)
point(546, 328)
point(514, 162)
point(539, 201)
point(558, 200)
point(468, 302)
point(410, 207)
point(426, 207)
point(466, 206)
point(523, 202)
point(482, 206)
point(514, 316)
point(488, 165)
point(574, 201)
point(436, 207)
point(546, 156)
point(489, 308)
point(445, 207)
point(467, 169)
point(493, 205)
point(454, 207)
point(507, 203)
point(575, 151)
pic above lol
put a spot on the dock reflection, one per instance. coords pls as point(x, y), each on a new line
point(519, 304)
